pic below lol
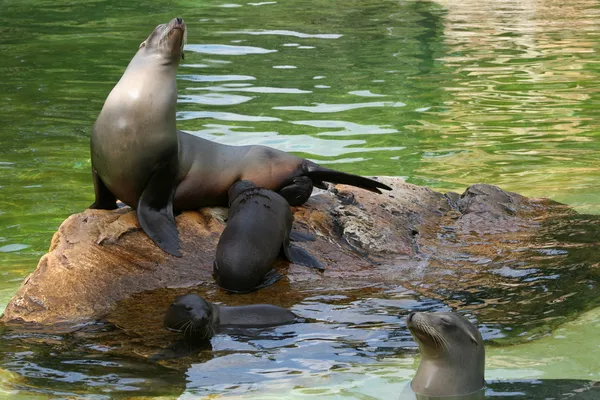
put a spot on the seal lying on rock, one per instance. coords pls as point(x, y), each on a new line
point(453, 355)
point(139, 157)
point(195, 317)
point(258, 228)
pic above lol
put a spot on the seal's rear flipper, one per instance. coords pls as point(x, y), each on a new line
point(297, 236)
point(155, 211)
point(299, 256)
point(105, 200)
point(320, 174)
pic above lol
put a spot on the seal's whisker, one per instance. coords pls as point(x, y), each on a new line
point(188, 326)
point(437, 338)
point(179, 324)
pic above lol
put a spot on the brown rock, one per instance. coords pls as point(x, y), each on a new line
point(98, 258)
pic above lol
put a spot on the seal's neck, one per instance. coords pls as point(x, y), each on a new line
point(449, 376)
point(216, 315)
point(254, 316)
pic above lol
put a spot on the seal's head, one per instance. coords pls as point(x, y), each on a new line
point(193, 316)
point(167, 40)
point(453, 356)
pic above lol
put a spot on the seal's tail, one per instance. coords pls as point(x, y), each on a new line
point(319, 174)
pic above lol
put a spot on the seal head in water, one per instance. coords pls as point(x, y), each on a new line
point(452, 354)
point(197, 318)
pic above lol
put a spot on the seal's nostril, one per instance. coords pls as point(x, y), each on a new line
point(410, 316)
point(179, 21)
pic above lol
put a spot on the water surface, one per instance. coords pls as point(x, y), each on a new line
point(444, 93)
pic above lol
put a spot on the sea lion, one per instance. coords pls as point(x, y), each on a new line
point(453, 355)
point(140, 158)
point(196, 318)
point(258, 229)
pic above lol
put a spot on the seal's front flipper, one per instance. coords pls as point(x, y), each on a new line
point(155, 211)
point(105, 200)
point(298, 191)
point(269, 279)
point(299, 256)
point(297, 236)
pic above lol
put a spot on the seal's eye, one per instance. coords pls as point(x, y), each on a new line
point(189, 308)
point(143, 44)
point(446, 321)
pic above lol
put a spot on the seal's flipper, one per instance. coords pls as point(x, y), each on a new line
point(269, 279)
point(299, 256)
point(298, 191)
point(155, 211)
point(105, 200)
point(297, 236)
point(319, 174)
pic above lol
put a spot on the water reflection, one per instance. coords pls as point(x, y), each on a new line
point(332, 108)
point(514, 94)
point(252, 89)
point(237, 135)
point(226, 50)
point(287, 33)
point(346, 128)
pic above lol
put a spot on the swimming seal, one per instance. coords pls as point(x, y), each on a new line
point(140, 158)
point(453, 355)
point(258, 228)
point(197, 318)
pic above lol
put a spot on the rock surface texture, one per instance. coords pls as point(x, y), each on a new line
point(404, 237)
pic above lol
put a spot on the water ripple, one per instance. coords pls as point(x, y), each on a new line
point(252, 89)
point(347, 128)
point(226, 49)
point(232, 135)
point(329, 108)
point(9, 248)
point(215, 99)
point(366, 93)
point(262, 3)
point(287, 33)
point(222, 116)
point(215, 78)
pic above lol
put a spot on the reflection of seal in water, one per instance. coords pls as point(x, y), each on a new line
point(258, 228)
point(453, 356)
point(195, 317)
point(139, 157)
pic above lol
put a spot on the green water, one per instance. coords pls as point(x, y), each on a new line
point(444, 93)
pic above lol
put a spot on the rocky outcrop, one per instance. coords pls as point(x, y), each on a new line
point(98, 258)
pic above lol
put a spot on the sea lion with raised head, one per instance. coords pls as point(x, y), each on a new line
point(452, 355)
point(259, 227)
point(198, 319)
point(140, 158)
point(134, 146)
